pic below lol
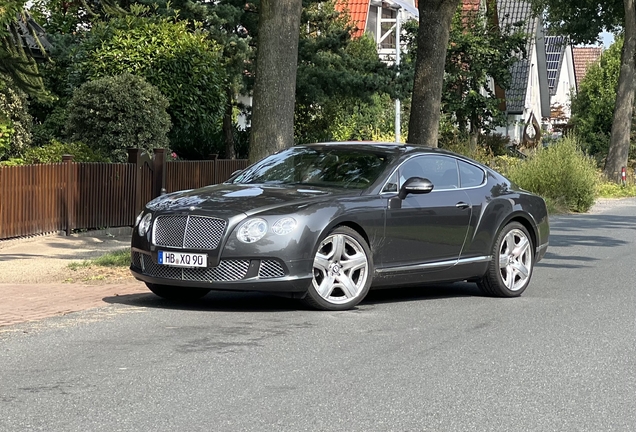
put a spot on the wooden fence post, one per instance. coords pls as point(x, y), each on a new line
point(68, 162)
point(215, 157)
point(159, 173)
point(133, 158)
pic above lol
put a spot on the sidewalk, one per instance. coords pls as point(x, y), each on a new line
point(33, 271)
point(30, 302)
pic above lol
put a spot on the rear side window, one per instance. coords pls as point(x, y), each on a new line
point(470, 175)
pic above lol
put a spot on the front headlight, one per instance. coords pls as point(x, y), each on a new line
point(139, 218)
point(252, 230)
point(144, 224)
point(284, 226)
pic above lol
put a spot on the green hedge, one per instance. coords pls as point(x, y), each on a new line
point(52, 153)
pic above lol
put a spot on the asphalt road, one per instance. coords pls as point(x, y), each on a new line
point(443, 358)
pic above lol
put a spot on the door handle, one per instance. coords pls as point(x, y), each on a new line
point(462, 205)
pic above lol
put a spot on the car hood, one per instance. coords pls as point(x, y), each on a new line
point(229, 199)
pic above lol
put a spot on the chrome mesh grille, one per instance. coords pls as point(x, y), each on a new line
point(136, 259)
point(203, 233)
point(226, 271)
point(191, 232)
point(270, 269)
point(170, 230)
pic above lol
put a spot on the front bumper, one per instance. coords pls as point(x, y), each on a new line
point(248, 274)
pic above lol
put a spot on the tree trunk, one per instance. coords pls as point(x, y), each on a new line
point(275, 84)
point(432, 43)
point(228, 128)
point(624, 110)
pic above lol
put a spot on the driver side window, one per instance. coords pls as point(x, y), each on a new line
point(440, 170)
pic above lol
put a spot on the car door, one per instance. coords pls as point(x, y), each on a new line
point(427, 231)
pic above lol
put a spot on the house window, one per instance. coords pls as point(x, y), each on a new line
point(387, 23)
point(372, 22)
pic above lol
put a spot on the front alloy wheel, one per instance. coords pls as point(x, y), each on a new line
point(341, 271)
point(512, 260)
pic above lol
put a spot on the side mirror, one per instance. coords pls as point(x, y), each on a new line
point(416, 186)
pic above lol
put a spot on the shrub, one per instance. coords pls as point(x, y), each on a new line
point(185, 65)
point(52, 153)
point(52, 128)
point(15, 122)
point(113, 114)
point(462, 146)
point(609, 189)
point(561, 173)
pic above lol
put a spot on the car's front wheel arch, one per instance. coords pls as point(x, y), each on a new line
point(347, 270)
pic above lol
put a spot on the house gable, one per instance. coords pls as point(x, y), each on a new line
point(584, 57)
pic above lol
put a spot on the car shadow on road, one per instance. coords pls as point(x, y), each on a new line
point(228, 301)
point(423, 293)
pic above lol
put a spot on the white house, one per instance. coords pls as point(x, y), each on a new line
point(561, 78)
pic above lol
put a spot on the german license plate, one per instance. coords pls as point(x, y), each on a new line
point(182, 259)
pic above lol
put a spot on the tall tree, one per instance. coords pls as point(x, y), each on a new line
point(583, 20)
point(432, 43)
point(16, 57)
point(275, 86)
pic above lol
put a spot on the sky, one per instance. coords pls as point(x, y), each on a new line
point(607, 39)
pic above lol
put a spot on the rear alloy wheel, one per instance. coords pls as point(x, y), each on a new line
point(510, 270)
point(175, 293)
point(341, 272)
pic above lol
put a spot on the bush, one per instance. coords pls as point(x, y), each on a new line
point(184, 65)
point(15, 122)
point(52, 153)
point(52, 128)
point(561, 173)
point(462, 146)
point(113, 114)
point(609, 189)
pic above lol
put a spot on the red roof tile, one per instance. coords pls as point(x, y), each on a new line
point(470, 5)
point(358, 11)
point(584, 57)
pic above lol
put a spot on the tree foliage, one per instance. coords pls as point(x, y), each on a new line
point(115, 113)
point(583, 20)
point(15, 121)
point(593, 106)
point(232, 24)
point(184, 64)
point(480, 55)
point(340, 80)
point(16, 60)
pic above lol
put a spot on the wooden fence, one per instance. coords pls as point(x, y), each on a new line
point(37, 199)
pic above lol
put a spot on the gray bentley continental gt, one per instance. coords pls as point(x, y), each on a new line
point(327, 222)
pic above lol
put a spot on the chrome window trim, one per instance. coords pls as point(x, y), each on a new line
point(450, 263)
point(438, 190)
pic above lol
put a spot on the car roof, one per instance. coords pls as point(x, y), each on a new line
point(381, 147)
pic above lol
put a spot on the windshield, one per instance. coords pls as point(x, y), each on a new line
point(331, 167)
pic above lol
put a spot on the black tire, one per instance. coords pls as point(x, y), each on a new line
point(340, 282)
point(175, 293)
point(510, 269)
